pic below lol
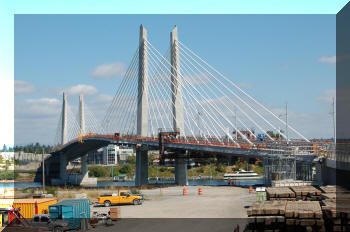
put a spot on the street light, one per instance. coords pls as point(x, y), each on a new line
point(286, 122)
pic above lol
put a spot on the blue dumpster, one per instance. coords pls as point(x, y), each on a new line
point(72, 211)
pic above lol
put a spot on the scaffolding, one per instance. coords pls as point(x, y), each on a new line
point(279, 168)
point(287, 168)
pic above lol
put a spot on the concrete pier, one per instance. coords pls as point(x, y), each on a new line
point(63, 169)
point(141, 177)
point(181, 177)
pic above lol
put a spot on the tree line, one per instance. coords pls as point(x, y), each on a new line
point(33, 148)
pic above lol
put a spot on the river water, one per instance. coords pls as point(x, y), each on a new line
point(101, 184)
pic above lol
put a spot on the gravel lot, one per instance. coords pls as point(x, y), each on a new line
point(218, 209)
point(216, 202)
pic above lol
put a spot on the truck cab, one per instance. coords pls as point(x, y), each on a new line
point(122, 197)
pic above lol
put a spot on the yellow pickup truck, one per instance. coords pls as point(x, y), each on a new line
point(122, 197)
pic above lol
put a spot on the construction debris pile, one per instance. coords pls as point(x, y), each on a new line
point(301, 208)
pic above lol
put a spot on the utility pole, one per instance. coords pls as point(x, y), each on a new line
point(43, 169)
point(333, 118)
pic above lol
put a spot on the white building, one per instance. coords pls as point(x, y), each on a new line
point(113, 154)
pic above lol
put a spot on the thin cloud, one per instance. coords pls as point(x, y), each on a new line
point(327, 59)
point(326, 96)
point(24, 87)
point(108, 71)
point(80, 89)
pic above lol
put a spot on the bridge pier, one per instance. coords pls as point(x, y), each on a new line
point(84, 166)
point(63, 169)
point(181, 177)
point(318, 175)
point(141, 177)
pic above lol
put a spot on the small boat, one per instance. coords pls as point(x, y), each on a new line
point(241, 174)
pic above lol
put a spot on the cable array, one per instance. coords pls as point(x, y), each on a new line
point(215, 109)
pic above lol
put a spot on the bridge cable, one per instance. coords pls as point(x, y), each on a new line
point(285, 123)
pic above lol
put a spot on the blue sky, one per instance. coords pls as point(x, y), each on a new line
point(276, 58)
point(9, 8)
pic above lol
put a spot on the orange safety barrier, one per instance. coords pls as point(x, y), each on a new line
point(251, 191)
point(184, 192)
point(200, 191)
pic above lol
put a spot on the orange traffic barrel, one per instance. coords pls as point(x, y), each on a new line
point(251, 191)
point(160, 191)
point(200, 191)
point(184, 191)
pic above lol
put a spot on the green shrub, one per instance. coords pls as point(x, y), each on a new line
point(220, 168)
point(52, 191)
point(131, 159)
point(99, 171)
point(201, 169)
point(125, 168)
point(135, 191)
point(8, 175)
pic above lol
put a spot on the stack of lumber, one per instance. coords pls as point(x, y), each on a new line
point(333, 189)
point(280, 193)
point(330, 192)
point(306, 193)
point(304, 215)
point(266, 216)
point(337, 213)
point(115, 213)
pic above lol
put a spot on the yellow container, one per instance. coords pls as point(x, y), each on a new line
point(28, 206)
point(6, 203)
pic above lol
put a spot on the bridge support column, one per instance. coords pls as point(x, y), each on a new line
point(318, 175)
point(176, 82)
point(141, 177)
point(142, 95)
point(181, 177)
point(84, 166)
point(63, 169)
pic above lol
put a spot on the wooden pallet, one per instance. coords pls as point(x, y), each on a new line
point(333, 189)
point(282, 199)
point(305, 191)
point(280, 192)
point(339, 208)
point(303, 210)
point(335, 196)
point(266, 208)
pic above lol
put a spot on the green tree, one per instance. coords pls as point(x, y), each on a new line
point(98, 171)
point(131, 159)
point(125, 169)
point(271, 134)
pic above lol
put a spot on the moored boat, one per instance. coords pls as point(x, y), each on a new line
point(241, 174)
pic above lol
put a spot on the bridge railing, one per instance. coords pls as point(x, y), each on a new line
point(270, 146)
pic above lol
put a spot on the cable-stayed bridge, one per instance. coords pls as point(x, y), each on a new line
point(177, 103)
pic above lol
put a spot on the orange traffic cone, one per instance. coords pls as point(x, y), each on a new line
point(185, 192)
point(251, 191)
point(200, 191)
